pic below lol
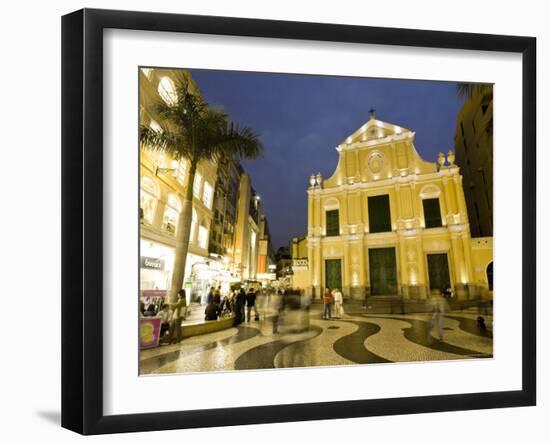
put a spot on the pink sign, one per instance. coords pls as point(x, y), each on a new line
point(149, 332)
point(154, 293)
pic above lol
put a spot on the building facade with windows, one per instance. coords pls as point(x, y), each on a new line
point(247, 231)
point(226, 197)
point(474, 155)
point(163, 181)
point(389, 223)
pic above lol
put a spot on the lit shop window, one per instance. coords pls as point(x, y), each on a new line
point(194, 220)
point(148, 197)
point(197, 185)
point(207, 194)
point(171, 214)
point(167, 91)
point(203, 236)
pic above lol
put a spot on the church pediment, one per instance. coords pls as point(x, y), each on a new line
point(373, 130)
point(377, 151)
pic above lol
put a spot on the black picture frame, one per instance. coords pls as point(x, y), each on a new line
point(82, 218)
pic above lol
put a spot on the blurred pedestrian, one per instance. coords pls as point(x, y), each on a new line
point(439, 307)
point(240, 300)
point(251, 304)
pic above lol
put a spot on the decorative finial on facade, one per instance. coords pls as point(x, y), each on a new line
point(312, 181)
point(319, 179)
point(451, 157)
point(441, 159)
point(371, 112)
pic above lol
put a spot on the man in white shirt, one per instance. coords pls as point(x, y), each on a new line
point(338, 302)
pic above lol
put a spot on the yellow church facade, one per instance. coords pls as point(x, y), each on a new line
point(388, 222)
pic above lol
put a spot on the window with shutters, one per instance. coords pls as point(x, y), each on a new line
point(333, 223)
point(379, 214)
point(432, 213)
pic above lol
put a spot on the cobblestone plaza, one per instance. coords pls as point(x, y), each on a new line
point(357, 338)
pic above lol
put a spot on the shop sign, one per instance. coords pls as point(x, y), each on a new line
point(154, 293)
point(267, 276)
point(152, 263)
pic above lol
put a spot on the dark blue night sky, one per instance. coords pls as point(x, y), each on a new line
point(302, 118)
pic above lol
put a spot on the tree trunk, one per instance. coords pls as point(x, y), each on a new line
point(182, 238)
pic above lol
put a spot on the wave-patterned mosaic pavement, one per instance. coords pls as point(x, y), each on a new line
point(356, 338)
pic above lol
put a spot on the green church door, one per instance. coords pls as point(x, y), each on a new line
point(383, 271)
point(438, 271)
point(333, 274)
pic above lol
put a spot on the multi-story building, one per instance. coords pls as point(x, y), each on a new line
point(474, 155)
point(163, 181)
point(227, 220)
point(247, 236)
point(226, 195)
point(389, 223)
point(300, 274)
point(265, 252)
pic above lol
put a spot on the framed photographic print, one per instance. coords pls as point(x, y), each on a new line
point(278, 221)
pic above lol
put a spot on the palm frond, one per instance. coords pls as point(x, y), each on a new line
point(468, 90)
point(193, 130)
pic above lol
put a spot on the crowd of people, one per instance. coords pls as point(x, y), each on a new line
point(245, 306)
point(241, 304)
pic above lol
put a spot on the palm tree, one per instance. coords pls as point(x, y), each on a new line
point(467, 90)
point(193, 131)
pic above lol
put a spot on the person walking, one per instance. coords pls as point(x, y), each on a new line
point(338, 302)
point(251, 304)
point(240, 299)
point(327, 304)
point(439, 307)
point(179, 313)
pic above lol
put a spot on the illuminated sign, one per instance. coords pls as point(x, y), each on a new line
point(152, 263)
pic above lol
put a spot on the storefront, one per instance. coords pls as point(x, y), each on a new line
point(156, 264)
point(205, 273)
